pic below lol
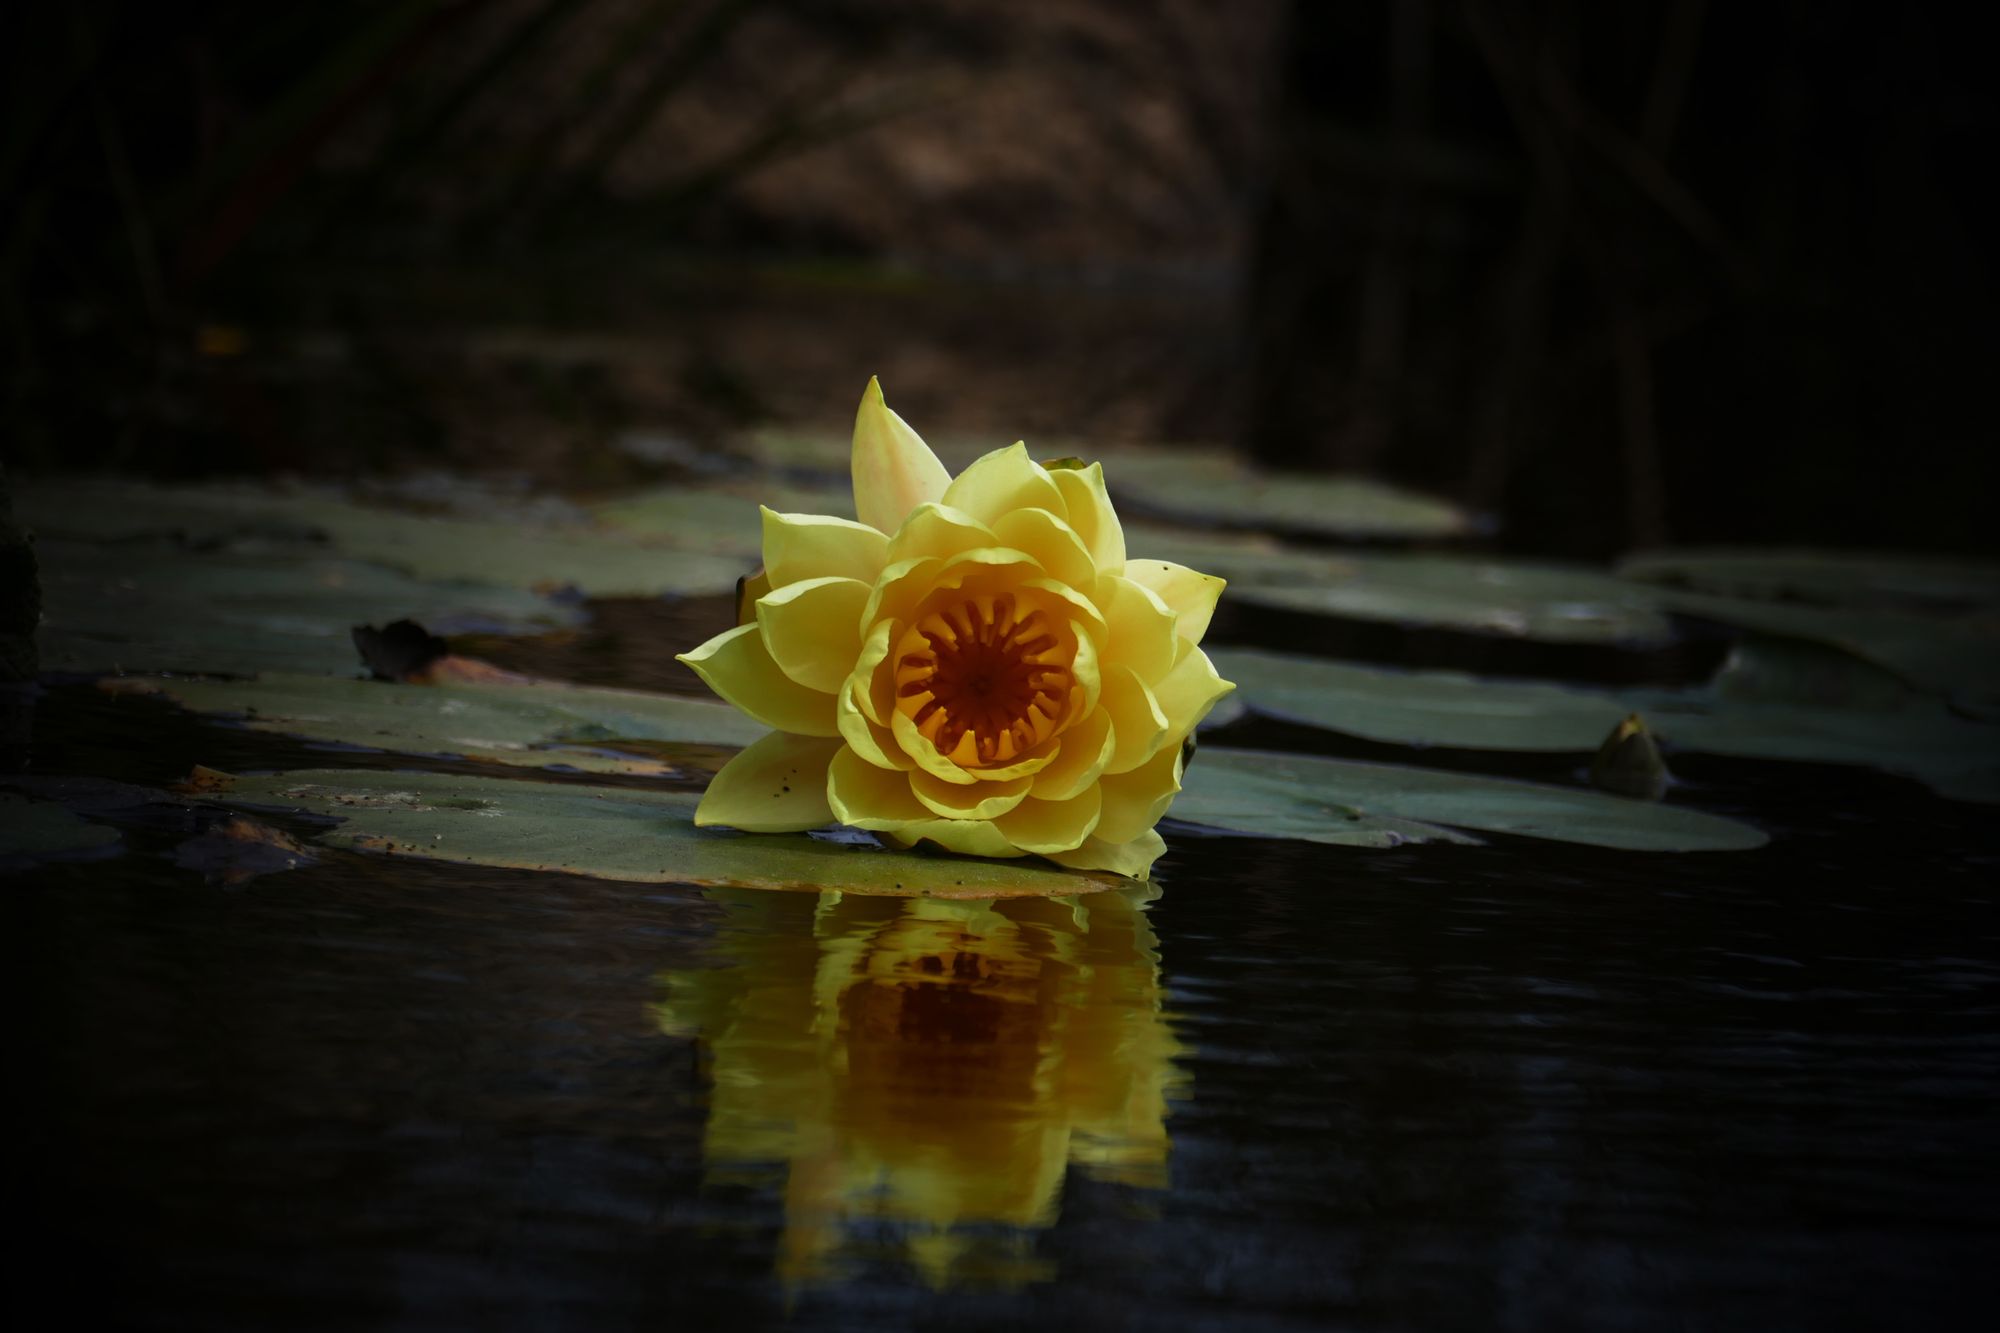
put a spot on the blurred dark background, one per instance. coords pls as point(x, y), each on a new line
point(1617, 274)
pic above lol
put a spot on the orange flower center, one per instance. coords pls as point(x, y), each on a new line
point(984, 679)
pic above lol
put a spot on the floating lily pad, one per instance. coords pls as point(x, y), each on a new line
point(1952, 656)
point(1740, 715)
point(152, 606)
point(1216, 487)
point(1512, 599)
point(35, 831)
point(537, 725)
point(426, 546)
point(1295, 796)
point(1827, 578)
point(617, 833)
point(721, 520)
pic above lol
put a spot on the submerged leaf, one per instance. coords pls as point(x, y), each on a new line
point(618, 833)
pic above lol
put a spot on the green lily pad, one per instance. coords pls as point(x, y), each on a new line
point(1216, 487)
point(723, 520)
point(35, 831)
point(617, 833)
point(154, 606)
point(1512, 599)
point(1826, 578)
point(539, 725)
point(1742, 714)
point(1296, 796)
point(1952, 656)
point(425, 546)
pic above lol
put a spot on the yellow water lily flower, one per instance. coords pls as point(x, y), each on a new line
point(975, 663)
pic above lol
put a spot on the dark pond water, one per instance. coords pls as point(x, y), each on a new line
point(1519, 1086)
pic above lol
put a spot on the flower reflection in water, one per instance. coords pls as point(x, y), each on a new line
point(919, 1075)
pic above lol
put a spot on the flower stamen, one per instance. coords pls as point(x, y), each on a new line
point(983, 680)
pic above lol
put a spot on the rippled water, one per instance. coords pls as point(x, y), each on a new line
point(1517, 1086)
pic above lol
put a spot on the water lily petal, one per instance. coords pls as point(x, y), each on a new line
point(968, 837)
point(813, 629)
point(1133, 859)
point(1091, 514)
point(778, 785)
point(1044, 827)
point(939, 530)
point(927, 755)
point(1141, 628)
point(1002, 482)
point(737, 666)
point(1187, 692)
point(1136, 719)
point(902, 585)
point(1086, 669)
point(894, 470)
point(979, 800)
point(873, 742)
point(1085, 749)
point(1135, 801)
point(866, 797)
point(815, 546)
point(1053, 543)
point(1188, 593)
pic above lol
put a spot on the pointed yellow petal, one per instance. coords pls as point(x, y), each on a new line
point(894, 470)
point(818, 546)
point(1052, 826)
point(1086, 749)
point(737, 666)
point(1141, 628)
point(813, 630)
point(1137, 723)
point(1188, 593)
point(866, 797)
point(1002, 482)
point(968, 837)
point(980, 800)
point(875, 744)
point(1052, 542)
point(1186, 693)
point(926, 754)
point(902, 585)
point(1091, 514)
point(1135, 801)
point(1133, 859)
point(939, 530)
point(778, 785)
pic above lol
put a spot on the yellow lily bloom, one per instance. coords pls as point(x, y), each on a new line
point(975, 663)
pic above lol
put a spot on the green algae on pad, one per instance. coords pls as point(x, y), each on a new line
point(1319, 800)
point(617, 833)
point(538, 725)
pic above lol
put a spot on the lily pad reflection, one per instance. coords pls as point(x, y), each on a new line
point(915, 1078)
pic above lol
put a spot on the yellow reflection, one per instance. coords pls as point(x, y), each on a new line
point(921, 1074)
